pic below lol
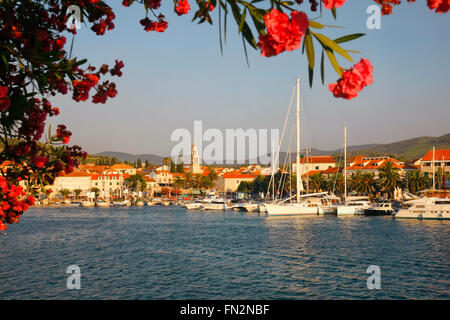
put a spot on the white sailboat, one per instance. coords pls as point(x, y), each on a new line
point(355, 205)
point(307, 204)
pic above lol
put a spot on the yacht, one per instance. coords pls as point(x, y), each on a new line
point(310, 205)
point(379, 209)
point(218, 204)
point(124, 203)
point(426, 208)
point(354, 206)
point(197, 204)
point(303, 204)
point(251, 206)
point(87, 203)
point(102, 203)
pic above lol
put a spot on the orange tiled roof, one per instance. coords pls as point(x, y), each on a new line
point(237, 175)
point(317, 159)
point(438, 155)
point(121, 166)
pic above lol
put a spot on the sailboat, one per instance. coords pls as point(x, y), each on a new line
point(309, 204)
point(354, 205)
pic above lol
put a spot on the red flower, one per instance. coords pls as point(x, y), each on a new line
point(282, 33)
point(116, 71)
point(209, 6)
point(40, 161)
point(330, 4)
point(441, 6)
point(183, 7)
point(5, 101)
point(353, 80)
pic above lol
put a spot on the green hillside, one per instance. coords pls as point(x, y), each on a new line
point(407, 150)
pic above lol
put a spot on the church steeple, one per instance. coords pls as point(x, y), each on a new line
point(195, 160)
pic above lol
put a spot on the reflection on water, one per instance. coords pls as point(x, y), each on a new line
point(170, 253)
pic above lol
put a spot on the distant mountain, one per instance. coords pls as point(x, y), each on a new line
point(122, 156)
point(410, 149)
point(404, 150)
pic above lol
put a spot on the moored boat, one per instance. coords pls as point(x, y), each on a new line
point(425, 208)
point(379, 209)
point(215, 205)
point(197, 204)
point(102, 204)
point(87, 204)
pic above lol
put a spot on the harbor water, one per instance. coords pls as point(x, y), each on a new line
point(171, 253)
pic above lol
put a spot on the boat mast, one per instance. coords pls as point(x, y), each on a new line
point(345, 164)
point(299, 178)
point(432, 167)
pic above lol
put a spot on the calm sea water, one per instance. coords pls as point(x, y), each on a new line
point(170, 253)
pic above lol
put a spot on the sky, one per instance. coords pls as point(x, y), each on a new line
point(173, 78)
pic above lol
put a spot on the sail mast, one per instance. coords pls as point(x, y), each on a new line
point(299, 178)
point(345, 164)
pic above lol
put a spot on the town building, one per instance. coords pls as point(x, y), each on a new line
point(229, 182)
point(441, 159)
point(314, 163)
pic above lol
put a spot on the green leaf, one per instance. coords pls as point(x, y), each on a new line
point(333, 11)
point(316, 25)
point(349, 37)
point(310, 76)
point(309, 50)
point(333, 61)
point(322, 67)
point(241, 23)
point(327, 42)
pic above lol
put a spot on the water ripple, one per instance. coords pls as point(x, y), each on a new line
point(168, 253)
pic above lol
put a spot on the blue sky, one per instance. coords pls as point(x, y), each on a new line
point(173, 78)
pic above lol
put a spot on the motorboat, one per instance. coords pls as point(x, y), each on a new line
point(425, 208)
point(124, 203)
point(354, 206)
point(252, 207)
point(218, 204)
point(379, 209)
point(87, 204)
point(102, 204)
point(195, 205)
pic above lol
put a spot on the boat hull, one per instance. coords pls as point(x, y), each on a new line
point(288, 210)
point(193, 206)
point(214, 206)
point(406, 214)
point(87, 204)
point(371, 212)
point(102, 204)
point(252, 207)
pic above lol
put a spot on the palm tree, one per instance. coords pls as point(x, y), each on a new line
point(197, 181)
point(77, 193)
point(357, 181)
point(316, 182)
point(178, 182)
point(188, 180)
point(368, 183)
point(416, 181)
point(389, 178)
point(336, 183)
point(64, 193)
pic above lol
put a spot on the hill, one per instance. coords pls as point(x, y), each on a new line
point(405, 150)
point(123, 156)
